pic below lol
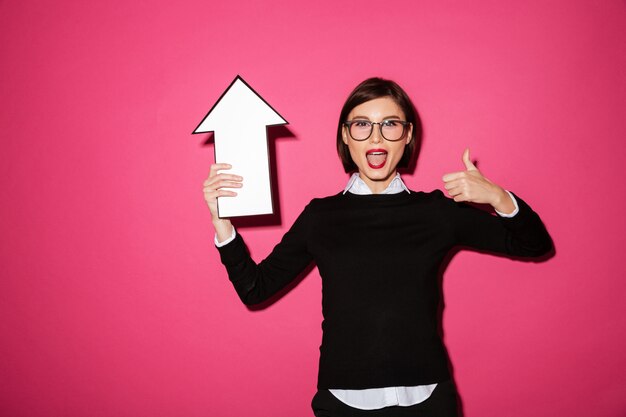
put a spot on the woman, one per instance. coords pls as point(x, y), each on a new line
point(379, 247)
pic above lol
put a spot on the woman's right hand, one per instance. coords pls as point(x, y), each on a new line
point(213, 188)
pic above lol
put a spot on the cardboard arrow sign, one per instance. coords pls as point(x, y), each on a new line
point(239, 119)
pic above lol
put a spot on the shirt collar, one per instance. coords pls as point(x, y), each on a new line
point(357, 186)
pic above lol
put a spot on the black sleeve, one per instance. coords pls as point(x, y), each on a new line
point(521, 235)
point(256, 283)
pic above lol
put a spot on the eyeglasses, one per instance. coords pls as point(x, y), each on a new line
point(392, 130)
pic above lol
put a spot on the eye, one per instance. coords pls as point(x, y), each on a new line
point(391, 123)
point(361, 123)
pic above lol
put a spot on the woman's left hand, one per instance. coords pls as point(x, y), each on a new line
point(470, 185)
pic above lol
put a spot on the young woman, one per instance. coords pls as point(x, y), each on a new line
point(379, 247)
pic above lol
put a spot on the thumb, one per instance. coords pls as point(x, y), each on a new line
point(468, 163)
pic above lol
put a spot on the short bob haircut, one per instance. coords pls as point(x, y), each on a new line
point(371, 89)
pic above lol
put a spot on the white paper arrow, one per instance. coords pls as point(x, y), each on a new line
point(239, 119)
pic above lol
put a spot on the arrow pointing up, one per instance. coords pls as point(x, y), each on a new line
point(240, 119)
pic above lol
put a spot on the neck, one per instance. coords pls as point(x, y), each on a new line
point(378, 186)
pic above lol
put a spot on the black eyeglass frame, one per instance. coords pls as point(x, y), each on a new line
point(349, 123)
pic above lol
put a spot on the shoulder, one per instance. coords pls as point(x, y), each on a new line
point(438, 204)
point(321, 203)
point(435, 197)
point(341, 200)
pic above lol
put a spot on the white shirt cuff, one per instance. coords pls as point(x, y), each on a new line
point(227, 241)
point(514, 211)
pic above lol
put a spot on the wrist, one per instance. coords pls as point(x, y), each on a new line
point(222, 224)
point(217, 222)
point(223, 229)
point(502, 201)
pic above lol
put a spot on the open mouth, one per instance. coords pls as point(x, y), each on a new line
point(376, 158)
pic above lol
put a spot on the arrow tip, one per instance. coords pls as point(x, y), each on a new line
point(240, 103)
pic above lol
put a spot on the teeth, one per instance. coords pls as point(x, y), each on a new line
point(377, 153)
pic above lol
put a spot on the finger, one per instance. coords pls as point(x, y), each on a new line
point(454, 192)
point(457, 190)
point(216, 167)
point(213, 194)
point(222, 184)
point(468, 163)
point(226, 193)
point(457, 193)
point(453, 176)
point(458, 184)
point(451, 184)
point(220, 177)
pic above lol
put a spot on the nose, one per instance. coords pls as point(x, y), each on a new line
point(376, 136)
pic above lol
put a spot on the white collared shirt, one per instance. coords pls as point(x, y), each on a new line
point(357, 186)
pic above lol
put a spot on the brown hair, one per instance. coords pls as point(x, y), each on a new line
point(371, 89)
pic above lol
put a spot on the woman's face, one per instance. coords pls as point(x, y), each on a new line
point(377, 157)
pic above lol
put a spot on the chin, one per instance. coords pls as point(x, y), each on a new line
point(380, 174)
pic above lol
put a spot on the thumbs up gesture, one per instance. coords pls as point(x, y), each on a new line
point(470, 185)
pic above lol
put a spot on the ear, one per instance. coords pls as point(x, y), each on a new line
point(344, 135)
point(409, 137)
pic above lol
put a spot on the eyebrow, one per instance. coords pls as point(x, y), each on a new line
point(384, 118)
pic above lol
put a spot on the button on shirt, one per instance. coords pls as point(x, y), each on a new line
point(376, 398)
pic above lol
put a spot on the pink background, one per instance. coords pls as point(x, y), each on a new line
point(112, 298)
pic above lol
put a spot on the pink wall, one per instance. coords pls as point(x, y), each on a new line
point(112, 298)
